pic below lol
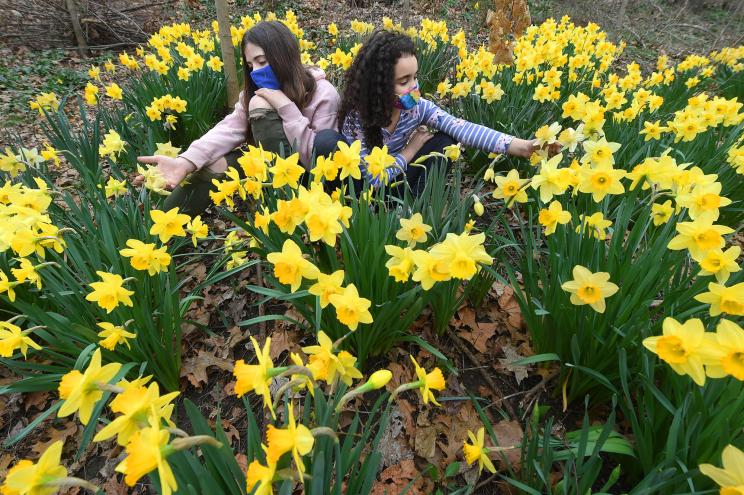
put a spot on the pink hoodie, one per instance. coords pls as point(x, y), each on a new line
point(299, 126)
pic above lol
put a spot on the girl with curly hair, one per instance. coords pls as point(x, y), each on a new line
point(282, 107)
point(381, 106)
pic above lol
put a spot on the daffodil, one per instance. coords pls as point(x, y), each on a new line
point(347, 158)
point(114, 188)
point(197, 229)
point(12, 338)
point(27, 271)
point(296, 438)
point(553, 215)
point(652, 130)
point(731, 477)
point(113, 91)
point(112, 145)
point(137, 407)
point(703, 202)
point(434, 380)
point(286, 171)
point(413, 230)
point(259, 478)
point(323, 222)
point(600, 153)
point(146, 256)
point(594, 225)
point(662, 212)
point(6, 285)
point(590, 288)
point(29, 478)
point(429, 269)
point(699, 237)
point(113, 335)
point(257, 377)
point(462, 253)
point(326, 365)
point(600, 181)
point(547, 134)
point(401, 264)
point(682, 346)
point(378, 161)
point(326, 286)
point(148, 450)
point(510, 188)
point(325, 168)
point(728, 352)
point(477, 451)
point(722, 299)
point(550, 181)
point(81, 391)
point(110, 292)
point(570, 138)
point(290, 267)
point(166, 149)
point(167, 224)
point(721, 263)
point(351, 310)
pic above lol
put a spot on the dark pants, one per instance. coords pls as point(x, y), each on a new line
point(193, 198)
point(326, 142)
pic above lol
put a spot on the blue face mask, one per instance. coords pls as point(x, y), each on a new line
point(409, 99)
point(265, 78)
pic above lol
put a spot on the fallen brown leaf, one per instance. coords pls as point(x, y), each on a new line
point(68, 430)
point(195, 368)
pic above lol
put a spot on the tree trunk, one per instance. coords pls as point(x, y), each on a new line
point(621, 14)
point(406, 14)
point(228, 53)
point(77, 29)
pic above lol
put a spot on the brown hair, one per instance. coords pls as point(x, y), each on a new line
point(282, 52)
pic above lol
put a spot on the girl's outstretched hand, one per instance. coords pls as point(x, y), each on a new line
point(173, 170)
point(526, 147)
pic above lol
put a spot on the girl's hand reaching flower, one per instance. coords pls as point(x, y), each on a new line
point(526, 147)
point(173, 170)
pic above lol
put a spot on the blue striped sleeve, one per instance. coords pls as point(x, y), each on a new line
point(470, 134)
point(352, 130)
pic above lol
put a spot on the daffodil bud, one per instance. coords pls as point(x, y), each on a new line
point(379, 379)
point(488, 176)
point(478, 206)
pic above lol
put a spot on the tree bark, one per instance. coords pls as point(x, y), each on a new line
point(228, 53)
point(77, 29)
point(406, 14)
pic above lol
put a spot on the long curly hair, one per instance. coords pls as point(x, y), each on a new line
point(282, 52)
point(369, 83)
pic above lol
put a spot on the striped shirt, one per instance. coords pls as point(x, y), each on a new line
point(429, 114)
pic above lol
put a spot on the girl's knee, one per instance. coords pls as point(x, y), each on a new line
point(257, 102)
point(326, 142)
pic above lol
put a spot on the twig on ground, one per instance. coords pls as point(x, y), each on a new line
point(485, 482)
point(531, 394)
point(499, 395)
